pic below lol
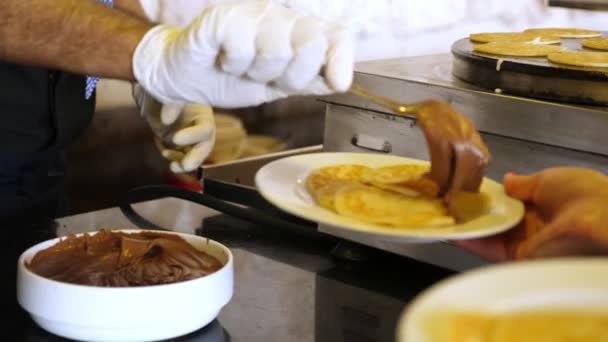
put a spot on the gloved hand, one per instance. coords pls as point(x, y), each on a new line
point(185, 135)
point(178, 13)
point(244, 54)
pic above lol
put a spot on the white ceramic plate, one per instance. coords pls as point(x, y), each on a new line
point(576, 283)
point(282, 183)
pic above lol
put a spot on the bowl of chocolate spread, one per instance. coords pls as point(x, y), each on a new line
point(127, 285)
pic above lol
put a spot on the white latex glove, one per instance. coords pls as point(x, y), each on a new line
point(244, 54)
point(184, 135)
point(178, 13)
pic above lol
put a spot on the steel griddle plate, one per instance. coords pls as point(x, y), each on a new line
point(532, 77)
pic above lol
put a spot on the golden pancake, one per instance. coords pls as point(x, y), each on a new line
point(519, 37)
point(467, 206)
point(396, 195)
point(422, 186)
point(369, 204)
point(596, 43)
point(549, 325)
point(394, 174)
point(516, 49)
point(580, 58)
point(565, 32)
point(326, 194)
point(400, 189)
point(324, 175)
point(408, 180)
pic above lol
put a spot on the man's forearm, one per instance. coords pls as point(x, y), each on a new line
point(80, 36)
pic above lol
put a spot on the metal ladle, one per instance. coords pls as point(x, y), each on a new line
point(398, 108)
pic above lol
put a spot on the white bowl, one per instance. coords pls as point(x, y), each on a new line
point(126, 313)
point(577, 283)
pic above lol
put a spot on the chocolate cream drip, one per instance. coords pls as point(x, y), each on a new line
point(116, 259)
point(459, 157)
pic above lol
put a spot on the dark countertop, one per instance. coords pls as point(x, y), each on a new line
point(287, 288)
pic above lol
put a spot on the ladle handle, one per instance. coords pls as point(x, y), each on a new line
point(394, 106)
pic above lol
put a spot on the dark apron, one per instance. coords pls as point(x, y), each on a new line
point(41, 111)
point(32, 184)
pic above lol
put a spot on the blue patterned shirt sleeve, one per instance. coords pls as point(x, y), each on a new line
point(92, 81)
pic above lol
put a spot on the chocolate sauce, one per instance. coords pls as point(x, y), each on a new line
point(117, 259)
point(459, 157)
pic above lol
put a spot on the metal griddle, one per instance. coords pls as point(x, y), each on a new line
point(532, 77)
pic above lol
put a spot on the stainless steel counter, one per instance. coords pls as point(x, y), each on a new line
point(170, 213)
